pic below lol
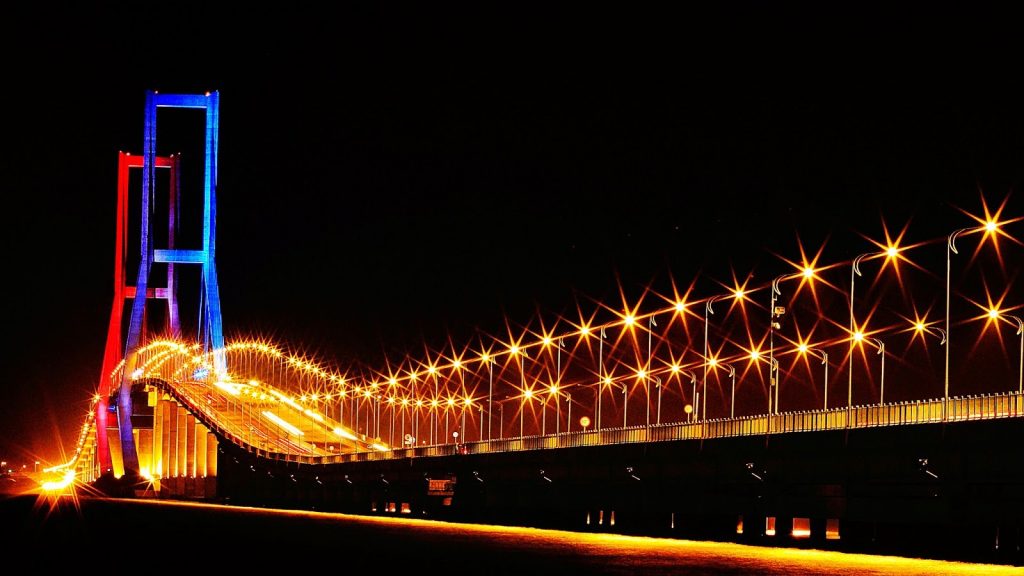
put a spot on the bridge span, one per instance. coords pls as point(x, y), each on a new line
point(708, 416)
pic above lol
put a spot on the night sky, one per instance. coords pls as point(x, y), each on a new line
point(390, 177)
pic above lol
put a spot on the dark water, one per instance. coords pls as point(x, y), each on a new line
point(201, 538)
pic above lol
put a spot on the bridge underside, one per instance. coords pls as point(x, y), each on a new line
point(935, 490)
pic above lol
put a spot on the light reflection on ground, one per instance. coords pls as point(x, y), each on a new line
point(507, 549)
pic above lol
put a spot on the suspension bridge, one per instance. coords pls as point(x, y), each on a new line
point(802, 356)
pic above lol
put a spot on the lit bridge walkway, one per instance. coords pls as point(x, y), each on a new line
point(276, 422)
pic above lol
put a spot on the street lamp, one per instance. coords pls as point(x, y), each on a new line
point(774, 312)
point(651, 325)
point(693, 393)
point(449, 405)
point(854, 272)
point(1020, 373)
point(602, 379)
point(432, 370)
point(568, 419)
point(625, 403)
point(859, 337)
point(995, 314)
point(881, 386)
point(805, 349)
point(486, 359)
point(527, 394)
point(657, 382)
point(732, 394)
point(922, 328)
point(950, 250)
point(553, 393)
point(704, 383)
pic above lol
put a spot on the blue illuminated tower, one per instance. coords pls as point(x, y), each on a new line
point(211, 333)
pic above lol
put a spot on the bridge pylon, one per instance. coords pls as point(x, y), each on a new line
point(210, 329)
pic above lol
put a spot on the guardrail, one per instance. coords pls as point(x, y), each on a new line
point(983, 407)
point(959, 409)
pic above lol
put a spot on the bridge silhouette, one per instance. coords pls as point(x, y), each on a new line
point(751, 361)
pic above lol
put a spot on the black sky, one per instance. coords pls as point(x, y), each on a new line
point(390, 176)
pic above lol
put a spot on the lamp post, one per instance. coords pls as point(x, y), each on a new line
point(568, 421)
point(391, 435)
point(449, 404)
point(805, 349)
point(467, 404)
point(1020, 370)
point(433, 412)
point(995, 314)
point(950, 250)
point(693, 393)
point(881, 352)
point(527, 394)
point(553, 393)
point(486, 358)
point(355, 418)
point(657, 383)
point(732, 388)
point(601, 380)
point(923, 328)
point(558, 381)
point(704, 384)
point(625, 403)
point(651, 324)
point(543, 416)
point(773, 311)
point(854, 272)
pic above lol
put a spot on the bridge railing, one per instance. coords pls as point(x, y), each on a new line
point(959, 409)
point(982, 407)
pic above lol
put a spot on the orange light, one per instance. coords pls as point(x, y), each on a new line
point(993, 313)
point(680, 306)
point(858, 336)
point(802, 348)
point(629, 320)
point(392, 381)
point(755, 354)
point(808, 272)
point(513, 349)
point(675, 368)
point(553, 389)
point(991, 226)
point(739, 293)
point(919, 326)
point(456, 364)
point(584, 330)
point(892, 251)
point(641, 374)
point(485, 357)
point(546, 341)
point(712, 362)
point(608, 380)
point(528, 393)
